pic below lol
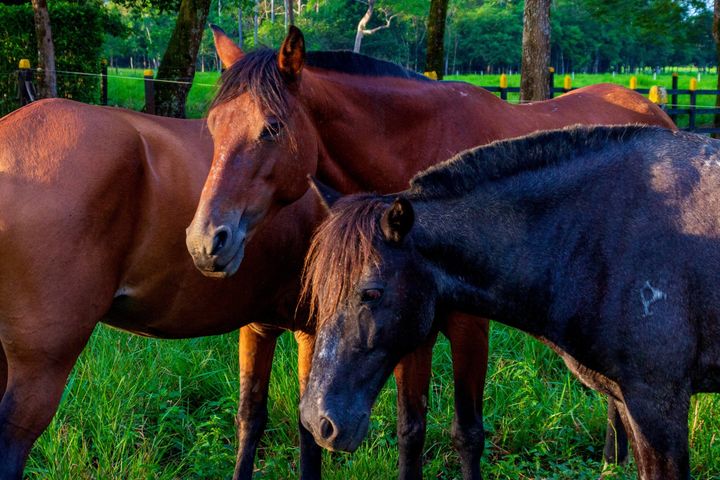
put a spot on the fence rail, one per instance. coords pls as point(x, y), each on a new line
point(26, 93)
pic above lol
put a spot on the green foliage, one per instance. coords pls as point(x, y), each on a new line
point(78, 33)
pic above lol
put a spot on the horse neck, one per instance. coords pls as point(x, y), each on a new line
point(496, 246)
point(377, 132)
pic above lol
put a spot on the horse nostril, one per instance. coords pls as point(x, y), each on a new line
point(219, 240)
point(327, 430)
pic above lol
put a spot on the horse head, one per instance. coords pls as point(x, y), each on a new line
point(374, 301)
point(264, 147)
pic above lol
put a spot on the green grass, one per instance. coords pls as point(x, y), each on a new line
point(126, 89)
point(140, 408)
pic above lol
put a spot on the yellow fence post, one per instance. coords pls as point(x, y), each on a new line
point(567, 83)
point(693, 102)
point(503, 86)
point(633, 83)
point(149, 92)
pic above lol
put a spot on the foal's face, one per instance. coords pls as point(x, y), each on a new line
point(388, 314)
point(260, 164)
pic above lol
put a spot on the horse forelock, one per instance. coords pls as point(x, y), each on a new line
point(258, 75)
point(340, 250)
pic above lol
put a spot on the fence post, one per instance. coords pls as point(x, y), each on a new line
point(149, 92)
point(567, 83)
point(633, 83)
point(551, 76)
point(503, 86)
point(674, 96)
point(658, 95)
point(693, 102)
point(26, 90)
point(103, 82)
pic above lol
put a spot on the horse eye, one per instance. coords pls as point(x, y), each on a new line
point(371, 294)
point(271, 130)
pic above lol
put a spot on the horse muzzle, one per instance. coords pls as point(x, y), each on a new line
point(217, 251)
point(334, 429)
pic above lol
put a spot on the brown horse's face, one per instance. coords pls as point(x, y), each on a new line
point(387, 314)
point(260, 164)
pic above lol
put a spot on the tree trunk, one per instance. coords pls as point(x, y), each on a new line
point(362, 24)
point(46, 49)
point(289, 14)
point(240, 26)
point(716, 36)
point(178, 62)
point(362, 31)
point(534, 80)
point(436, 37)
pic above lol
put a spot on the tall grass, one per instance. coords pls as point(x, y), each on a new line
point(141, 408)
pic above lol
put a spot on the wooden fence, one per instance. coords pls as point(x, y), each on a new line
point(666, 98)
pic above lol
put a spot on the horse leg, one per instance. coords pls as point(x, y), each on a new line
point(469, 344)
point(616, 440)
point(38, 366)
point(659, 428)
point(256, 350)
point(310, 452)
point(412, 376)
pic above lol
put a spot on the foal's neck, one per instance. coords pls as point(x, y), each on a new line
point(499, 247)
point(377, 132)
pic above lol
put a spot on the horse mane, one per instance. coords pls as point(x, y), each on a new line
point(345, 61)
point(339, 251)
point(257, 73)
point(504, 158)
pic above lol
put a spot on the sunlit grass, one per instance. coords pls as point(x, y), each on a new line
point(141, 408)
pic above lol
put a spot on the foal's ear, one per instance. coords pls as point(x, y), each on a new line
point(291, 56)
point(228, 52)
point(325, 194)
point(397, 220)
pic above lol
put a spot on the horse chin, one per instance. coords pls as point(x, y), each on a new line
point(229, 268)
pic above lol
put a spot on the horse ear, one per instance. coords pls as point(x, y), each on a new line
point(325, 194)
point(397, 220)
point(291, 56)
point(228, 52)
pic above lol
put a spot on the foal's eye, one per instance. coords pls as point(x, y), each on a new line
point(270, 131)
point(371, 294)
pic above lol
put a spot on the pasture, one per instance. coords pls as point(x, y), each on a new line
point(142, 408)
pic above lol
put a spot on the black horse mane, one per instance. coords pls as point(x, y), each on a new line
point(257, 73)
point(504, 158)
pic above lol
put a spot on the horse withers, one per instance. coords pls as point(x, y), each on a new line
point(604, 242)
point(361, 124)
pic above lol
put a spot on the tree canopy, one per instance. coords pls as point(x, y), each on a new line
point(481, 35)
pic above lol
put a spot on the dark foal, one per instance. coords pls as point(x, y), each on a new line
point(361, 124)
point(603, 242)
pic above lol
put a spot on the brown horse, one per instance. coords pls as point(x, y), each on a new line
point(363, 125)
point(93, 206)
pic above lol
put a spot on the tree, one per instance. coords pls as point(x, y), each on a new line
point(362, 29)
point(534, 83)
point(46, 49)
point(436, 37)
point(716, 36)
point(178, 62)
